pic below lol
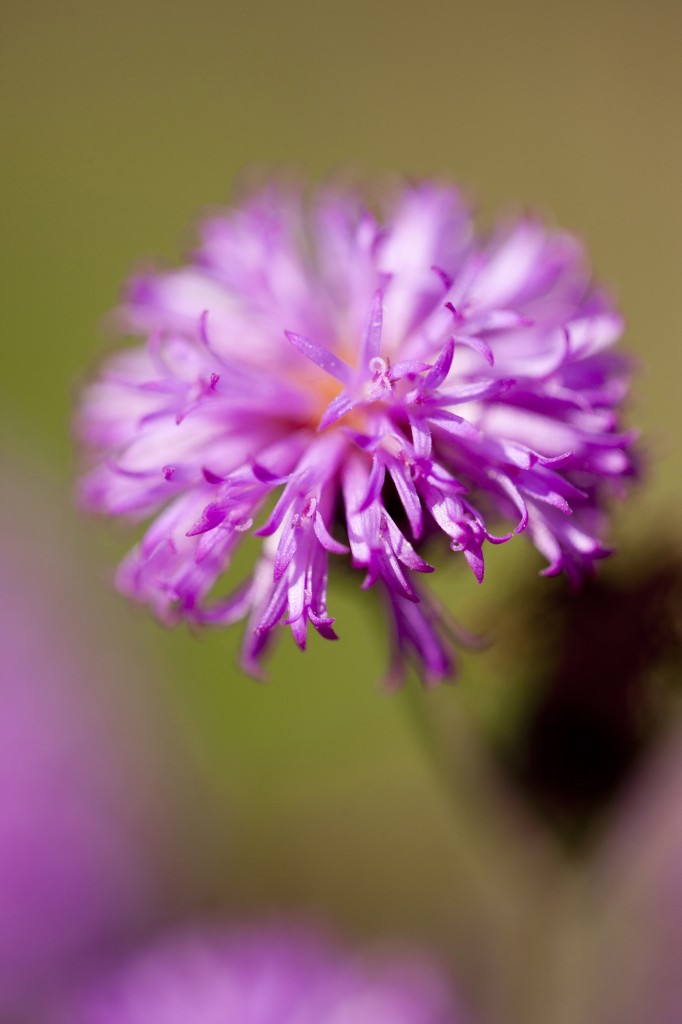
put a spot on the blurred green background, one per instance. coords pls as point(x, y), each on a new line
point(119, 123)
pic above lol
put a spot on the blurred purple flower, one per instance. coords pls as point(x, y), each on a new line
point(74, 876)
point(383, 381)
point(275, 975)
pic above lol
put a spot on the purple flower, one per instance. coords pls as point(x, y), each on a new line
point(275, 975)
point(75, 872)
point(360, 384)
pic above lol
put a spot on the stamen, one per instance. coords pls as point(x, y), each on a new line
point(378, 365)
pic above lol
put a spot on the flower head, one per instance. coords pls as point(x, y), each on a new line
point(267, 975)
point(362, 383)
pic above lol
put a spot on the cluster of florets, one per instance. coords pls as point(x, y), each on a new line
point(360, 384)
